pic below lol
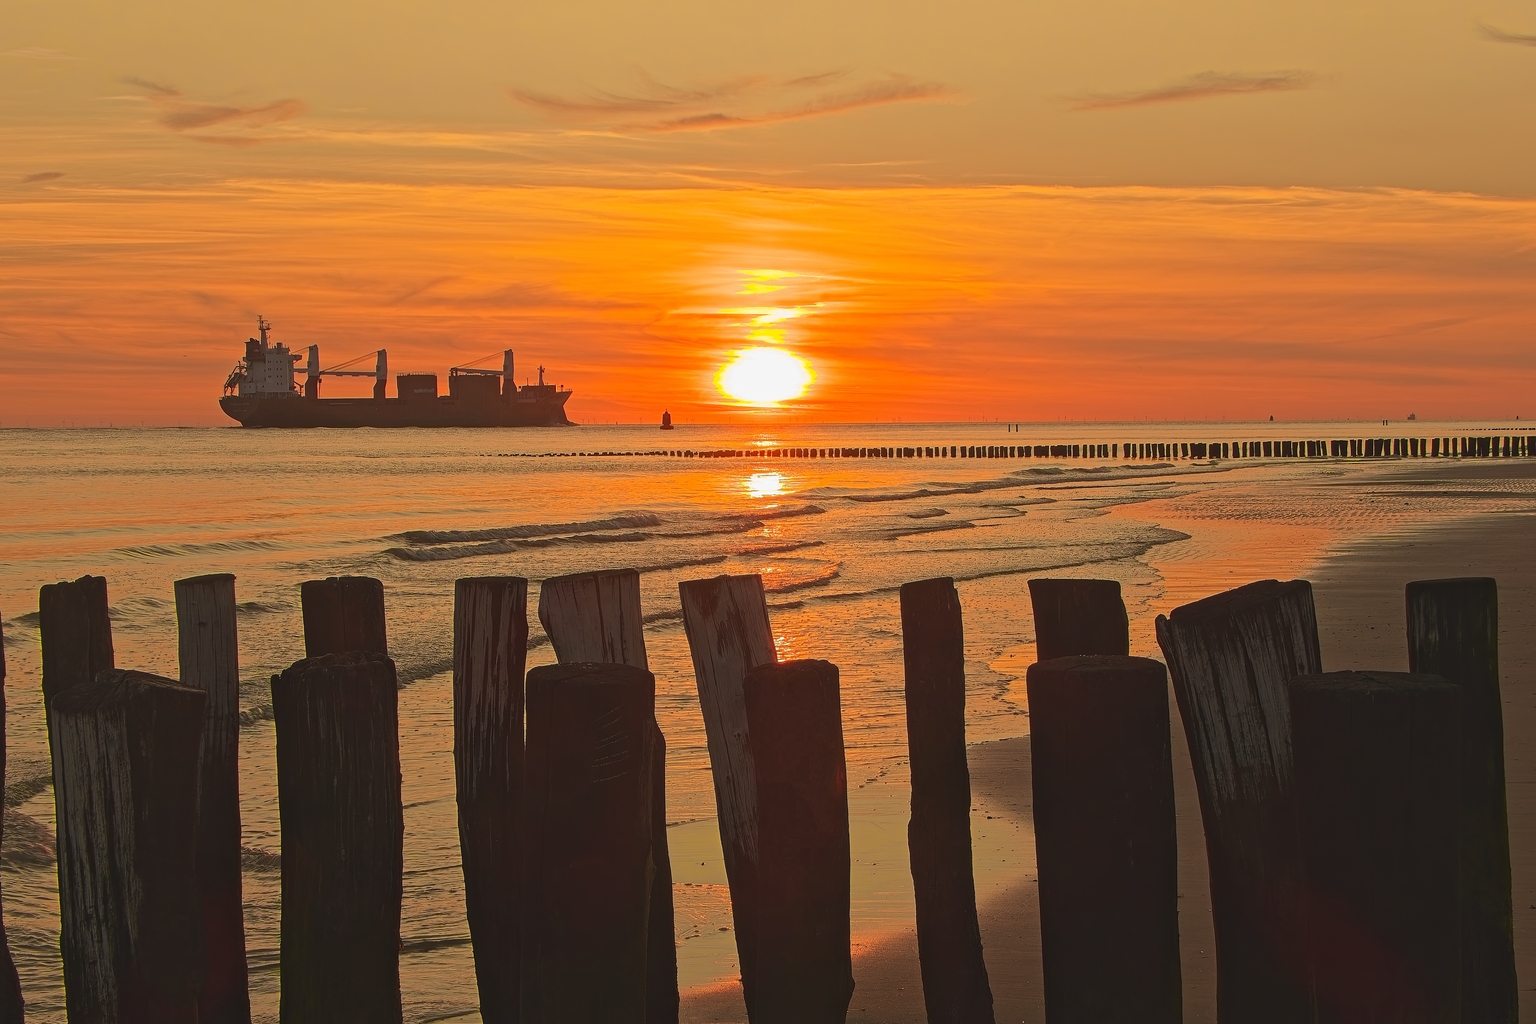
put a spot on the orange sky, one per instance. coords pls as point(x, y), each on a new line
point(1116, 210)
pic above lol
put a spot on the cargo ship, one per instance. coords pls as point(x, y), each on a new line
point(262, 391)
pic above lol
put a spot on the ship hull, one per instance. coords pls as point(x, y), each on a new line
point(537, 410)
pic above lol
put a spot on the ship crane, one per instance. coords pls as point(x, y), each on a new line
point(380, 372)
point(509, 385)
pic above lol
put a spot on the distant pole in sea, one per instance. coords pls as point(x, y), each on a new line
point(1074, 616)
point(343, 613)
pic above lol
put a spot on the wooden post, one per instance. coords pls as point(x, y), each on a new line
point(12, 1008)
point(1106, 840)
point(587, 868)
point(208, 650)
point(490, 648)
point(595, 617)
point(1230, 657)
point(803, 965)
point(343, 613)
point(1079, 617)
point(1378, 795)
point(126, 748)
point(955, 985)
point(726, 620)
point(338, 793)
point(1453, 632)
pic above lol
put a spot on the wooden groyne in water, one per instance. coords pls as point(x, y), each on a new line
point(1355, 822)
point(1481, 446)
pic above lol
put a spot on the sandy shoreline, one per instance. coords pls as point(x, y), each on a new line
point(1359, 593)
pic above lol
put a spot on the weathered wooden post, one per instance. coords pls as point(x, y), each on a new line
point(596, 617)
point(726, 620)
point(587, 868)
point(208, 651)
point(343, 613)
point(12, 1009)
point(1453, 632)
point(803, 965)
point(1078, 617)
point(1378, 796)
point(338, 792)
point(955, 985)
point(490, 649)
point(126, 750)
point(75, 629)
point(1106, 840)
point(1230, 656)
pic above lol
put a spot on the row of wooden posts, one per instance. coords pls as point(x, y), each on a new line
point(1487, 446)
point(1355, 822)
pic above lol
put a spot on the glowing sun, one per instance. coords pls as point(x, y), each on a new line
point(764, 376)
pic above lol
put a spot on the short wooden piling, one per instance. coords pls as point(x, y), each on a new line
point(803, 967)
point(1453, 632)
point(1106, 840)
point(12, 1009)
point(1230, 656)
point(587, 869)
point(955, 985)
point(596, 617)
point(726, 620)
point(1378, 796)
point(338, 791)
point(490, 648)
point(1078, 617)
point(343, 613)
point(126, 751)
point(209, 656)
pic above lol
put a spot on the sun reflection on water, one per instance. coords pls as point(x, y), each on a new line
point(764, 485)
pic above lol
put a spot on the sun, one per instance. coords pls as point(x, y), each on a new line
point(764, 376)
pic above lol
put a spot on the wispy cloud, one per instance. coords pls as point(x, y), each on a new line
point(180, 114)
point(742, 102)
point(1195, 87)
point(39, 53)
point(1497, 35)
point(31, 179)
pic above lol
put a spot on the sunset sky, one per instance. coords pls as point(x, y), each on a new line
point(1022, 210)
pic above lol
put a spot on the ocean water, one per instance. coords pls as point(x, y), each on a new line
point(833, 539)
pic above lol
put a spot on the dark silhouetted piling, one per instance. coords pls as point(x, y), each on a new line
point(1106, 840)
point(343, 613)
point(1378, 795)
point(955, 986)
point(126, 752)
point(1453, 632)
point(726, 619)
point(587, 869)
point(338, 792)
point(1078, 617)
point(1230, 656)
point(490, 649)
point(208, 649)
point(802, 961)
point(12, 1009)
point(596, 617)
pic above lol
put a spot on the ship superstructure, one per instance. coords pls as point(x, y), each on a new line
point(263, 390)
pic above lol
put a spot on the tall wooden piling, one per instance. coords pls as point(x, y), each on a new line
point(587, 869)
point(596, 617)
point(726, 620)
point(207, 646)
point(1378, 794)
point(126, 750)
point(1230, 656)
point(1453, 632)
point(12, 1008)
point(490, 652)
point(955, 985)
point(343, 613)
point(1078, 617)
point(803, 966)
point(1106, 840)
point(338, 792)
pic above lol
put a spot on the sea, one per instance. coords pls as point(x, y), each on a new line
point(832, 538)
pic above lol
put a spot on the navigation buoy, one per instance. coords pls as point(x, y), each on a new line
point(666, 421)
